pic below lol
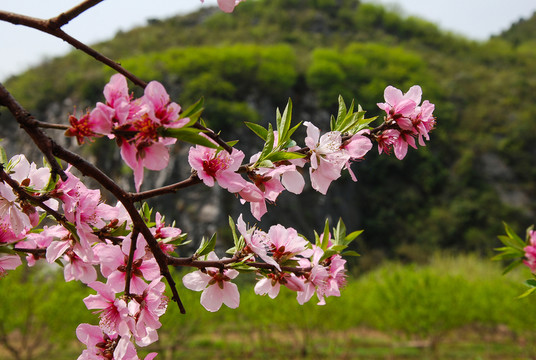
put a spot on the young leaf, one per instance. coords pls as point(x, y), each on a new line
point(516, 242)
point(268, 145)
point(3, 156)
point(189, 135)
point(233, 231)
point(193, 111)
point(284, 155)
point(257, 129)
point(350, 253)
point(283, 125)
point(325, 236)
point(206, 246)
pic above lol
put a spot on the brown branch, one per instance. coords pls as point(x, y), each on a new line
point(169, 189)
point(41, 252)
point(128, 275)
point(211, 134)
point(64, 18)
point(46, 125)
point(224, 263)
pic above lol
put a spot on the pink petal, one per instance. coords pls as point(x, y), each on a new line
point(212, 298)
point(392, 95)
point(56, 249)
point(196, 280)
point(231, 296)
point(227, 5)
point(10, 262)
point(156, 157)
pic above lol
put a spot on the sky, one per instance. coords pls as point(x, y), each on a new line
point(21, 47)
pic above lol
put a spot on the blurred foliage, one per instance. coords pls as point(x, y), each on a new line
point(477, 170)
point(393, 305)
point(40, 313)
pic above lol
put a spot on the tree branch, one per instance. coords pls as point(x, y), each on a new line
point(65, 17)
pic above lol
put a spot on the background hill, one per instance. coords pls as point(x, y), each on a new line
point(477, 170)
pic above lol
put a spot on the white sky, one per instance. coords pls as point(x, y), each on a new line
point(21, 47)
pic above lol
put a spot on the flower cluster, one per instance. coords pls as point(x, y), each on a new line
point(410, 118)
point(135, 124)
point(279, 247)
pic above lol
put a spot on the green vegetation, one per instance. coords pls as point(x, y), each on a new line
point(454, 307)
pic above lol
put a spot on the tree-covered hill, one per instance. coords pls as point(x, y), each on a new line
point(478, 169)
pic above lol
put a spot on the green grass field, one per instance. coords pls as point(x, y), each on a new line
point(453, 308)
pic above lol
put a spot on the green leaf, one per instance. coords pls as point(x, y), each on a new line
point(289, 142)
point(268, 145)
point(350, 253)
point(527, 293)
point(257, 129)
point(339, 233)
point(352, 236)
point(531, 282)
point(283, 123)
point(190, 135)
point(516, 242)
point(3, 156)
point(146, 212)
point(325, 236)
point(193, 111)
point(120, 230)
point(328, 253)
point(206, 246)
point(512, 266)
point(284, 155)
point(233, 231)
point(266, 164)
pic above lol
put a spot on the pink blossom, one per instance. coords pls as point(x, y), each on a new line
point(227, 5)
point(7, 235)
point(271, 284)
point(160, 107)
point(327, 159)
point(530, 252)
point(152, 304)
point(386, 139)
point(400, 107)
point(317, 277)
point(153, 157)
point(212, 165)
point(216, 286)
point(11, 212)
point(114, 259)
point(335, 280)
point(286, 243)
point(164, 233)
point(9, 262)
point(412, 120)
point(356, 147)
point(257, 242)
point(104, 346)
point(114, 313)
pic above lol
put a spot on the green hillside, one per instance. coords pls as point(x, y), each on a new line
point(477, 170)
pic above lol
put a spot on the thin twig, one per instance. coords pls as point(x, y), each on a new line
point(65, 17)
point(128, 275)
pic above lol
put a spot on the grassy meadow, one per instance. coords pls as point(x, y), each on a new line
point(454, 307)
